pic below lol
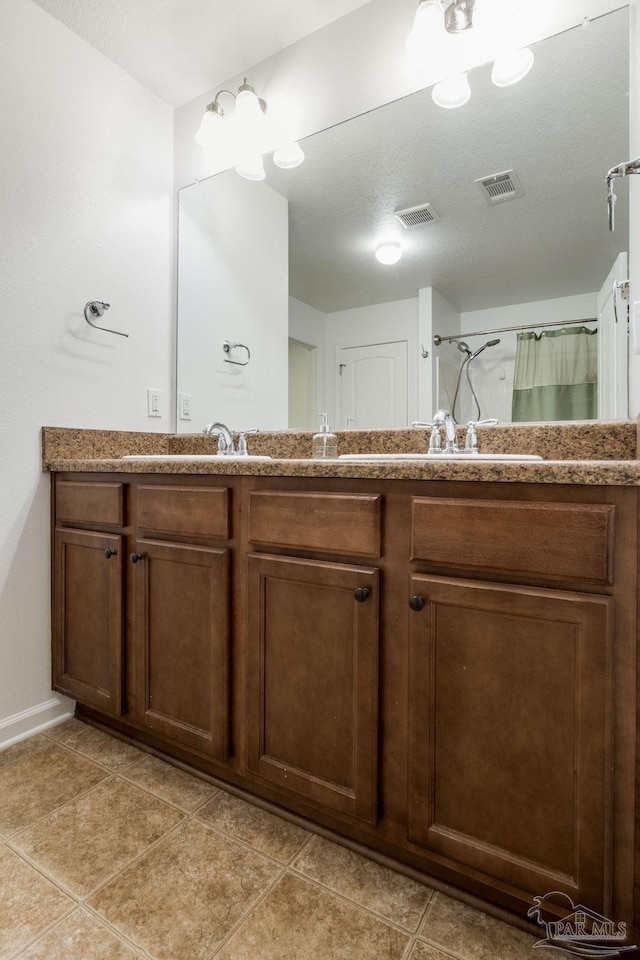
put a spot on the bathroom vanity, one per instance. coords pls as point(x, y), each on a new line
point(438, 667)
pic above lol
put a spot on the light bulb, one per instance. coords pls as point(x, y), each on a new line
point(209, 129)
point(389, 252)
point(452, 93)
point(252, 169)
point(288, 157)
point(429, 20)
point(512, 67)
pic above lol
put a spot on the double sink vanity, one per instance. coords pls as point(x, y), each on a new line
point(432, 659)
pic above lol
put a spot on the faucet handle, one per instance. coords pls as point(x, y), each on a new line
point(243, 450)
point(471, 440)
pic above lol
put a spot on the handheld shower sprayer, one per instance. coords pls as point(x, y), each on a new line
point(489, 343)
point(622, 170)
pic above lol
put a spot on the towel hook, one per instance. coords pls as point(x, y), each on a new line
point(228, 346)
point(96, 308)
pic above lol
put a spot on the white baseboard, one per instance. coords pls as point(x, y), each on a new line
point(23, 725)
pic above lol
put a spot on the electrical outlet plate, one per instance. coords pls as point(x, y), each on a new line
point(184, 406)
point(635, 326)
point(153, 402)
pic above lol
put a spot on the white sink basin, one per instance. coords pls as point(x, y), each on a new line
point(435, 457)
point(193, 457)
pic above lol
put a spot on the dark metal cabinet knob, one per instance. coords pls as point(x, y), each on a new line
point(110, 553)
point(135, 557)
point(416, 603)
point(361, 594)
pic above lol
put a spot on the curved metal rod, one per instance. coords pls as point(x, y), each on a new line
point(96, 308)
point(228, 346)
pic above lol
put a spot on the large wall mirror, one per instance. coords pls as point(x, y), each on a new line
point(287, 267)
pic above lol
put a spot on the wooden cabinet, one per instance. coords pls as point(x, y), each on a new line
point(484, 735)
point(312, 689)
point(510, 733)
point(182, 644)
point(88, 607)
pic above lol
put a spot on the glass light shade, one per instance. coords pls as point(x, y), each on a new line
point(389, 252)
point(248, 105)
point(428, 22)
point(452, 93)
point(288, 157)
point(252, 169)
point(209, 129)
point(513, 67)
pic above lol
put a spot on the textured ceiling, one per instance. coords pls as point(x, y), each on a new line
point(181, 48)
point(561, 129)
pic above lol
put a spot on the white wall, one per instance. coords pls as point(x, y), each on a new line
point(633, 185)
point(495, 394)
point(234, 285)
point(85, 213)
point(309, 325)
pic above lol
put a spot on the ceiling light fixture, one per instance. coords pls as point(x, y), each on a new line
point(452, 93)
point(389, 252)
point(513, 67)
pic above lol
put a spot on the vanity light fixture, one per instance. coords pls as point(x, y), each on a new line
point(452, 93)
point(289, 156)
point(513, 67)
point(432, 16)
point(252, 169)
point(248, 108)
point(389, 252)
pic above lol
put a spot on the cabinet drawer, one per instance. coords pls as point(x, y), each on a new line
point(100, 504)
point(328, 522)
point(550, 541)
point(200, 512)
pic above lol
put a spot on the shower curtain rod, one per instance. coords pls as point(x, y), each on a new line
point(437, 339)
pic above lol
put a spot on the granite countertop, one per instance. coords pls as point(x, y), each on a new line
point(590, 453)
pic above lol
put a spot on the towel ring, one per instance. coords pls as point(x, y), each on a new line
point(96, 308)
point(228, 346)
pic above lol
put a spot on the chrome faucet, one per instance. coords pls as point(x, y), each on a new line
point(444, 418)
point(225, 437)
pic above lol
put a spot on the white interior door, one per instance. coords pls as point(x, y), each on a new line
point(372, 386)
point(613, 345)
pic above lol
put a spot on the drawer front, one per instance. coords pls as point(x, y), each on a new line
point(550, 541)
point(327, 522)
point(183, 511)
point(98, 504)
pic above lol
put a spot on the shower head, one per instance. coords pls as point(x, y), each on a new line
point(489, 343)
point(463, 347)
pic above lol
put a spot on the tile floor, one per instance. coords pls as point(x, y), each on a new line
point(107, 853)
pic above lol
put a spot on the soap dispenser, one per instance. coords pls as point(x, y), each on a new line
point(325, 444)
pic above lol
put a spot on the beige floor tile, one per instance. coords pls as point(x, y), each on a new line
point(269, 834)
point(89, 840)
point(28, 903)
point(183, 897)
point(36, 785)
point(26, 748)
point(390, 894)
point(169, 783)
point(78, 937)
point(298, 919)
point(64, 730)
point(424, 951)
point(103, 748)
point(458, 928)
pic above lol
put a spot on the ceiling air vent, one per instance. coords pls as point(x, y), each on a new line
point(416, 216)
point(500, 187)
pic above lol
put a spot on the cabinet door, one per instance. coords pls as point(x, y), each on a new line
point(182, 644)
point(313, 681)
point(88, 618)
point(510, 733)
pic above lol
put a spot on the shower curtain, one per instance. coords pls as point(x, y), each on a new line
point(556, 375)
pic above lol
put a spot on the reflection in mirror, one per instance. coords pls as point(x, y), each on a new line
point(292, 260)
